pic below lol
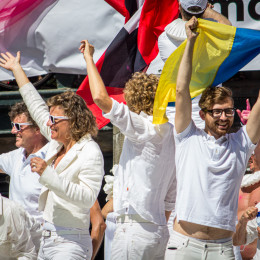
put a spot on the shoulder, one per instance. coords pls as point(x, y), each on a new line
point(17, 153)
point(89, 147)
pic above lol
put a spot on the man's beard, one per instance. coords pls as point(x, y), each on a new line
point(213, 126)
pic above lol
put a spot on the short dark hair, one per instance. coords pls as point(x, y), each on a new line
point(214, 95)
point(18, 109)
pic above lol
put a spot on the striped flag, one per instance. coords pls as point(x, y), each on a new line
point(220, 51)
point(134, 47)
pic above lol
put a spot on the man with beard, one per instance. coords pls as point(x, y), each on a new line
point(210, 164)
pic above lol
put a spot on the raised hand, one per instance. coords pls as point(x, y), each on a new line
point(190, 27)
point(9, 62)
point(244, 115)
point(87, 49)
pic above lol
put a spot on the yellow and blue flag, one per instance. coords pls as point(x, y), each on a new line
point(220, 51)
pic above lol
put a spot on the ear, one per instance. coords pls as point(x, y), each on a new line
point(37, 130)
point(202, 115)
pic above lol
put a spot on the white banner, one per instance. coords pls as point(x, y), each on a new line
point(50, 35)
point(242, 14)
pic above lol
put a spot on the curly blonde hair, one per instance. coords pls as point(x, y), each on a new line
point(140, 92)
point(81, 119)
point(214, 95)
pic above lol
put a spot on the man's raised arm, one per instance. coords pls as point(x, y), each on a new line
point(97, 87)
point(183, 98)
point(253, 123)
point(210, 13)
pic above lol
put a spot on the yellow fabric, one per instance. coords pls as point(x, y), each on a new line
point(212, 47)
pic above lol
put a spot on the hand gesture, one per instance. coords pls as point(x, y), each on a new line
point(244, 115)
point(38, 165)
point(9, 62)
point(87, 49)
point(190, 27)
point(249, 214)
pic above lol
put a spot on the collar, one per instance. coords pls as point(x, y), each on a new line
point(176, 30)
point(143, 114)
point(40, 153)
point(211, 138)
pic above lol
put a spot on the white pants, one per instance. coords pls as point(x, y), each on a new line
point(182, 247)
point(66, 247)
point(109, 234)
point(139, 241)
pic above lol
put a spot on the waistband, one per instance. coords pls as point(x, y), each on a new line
point(131, 218)
point(202, 244)
point(49, 233)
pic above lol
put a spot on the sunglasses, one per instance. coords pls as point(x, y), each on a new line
point(53, 118)
point(17, 126)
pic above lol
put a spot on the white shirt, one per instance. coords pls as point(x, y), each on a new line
point(24, 184)
point(15, 226)
point(145, 177)
point(252, 234)
point(209, 174)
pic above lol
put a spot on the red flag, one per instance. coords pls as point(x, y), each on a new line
point(133, 49)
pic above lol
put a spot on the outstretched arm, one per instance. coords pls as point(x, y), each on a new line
point(183, 98)
point(97, 87)
point(9, 62)
point(253, 123)
point(210, 13)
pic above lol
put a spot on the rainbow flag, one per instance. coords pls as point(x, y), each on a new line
point(220, 51)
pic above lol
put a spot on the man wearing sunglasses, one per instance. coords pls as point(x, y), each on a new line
point(210, 165)
point(24, 185)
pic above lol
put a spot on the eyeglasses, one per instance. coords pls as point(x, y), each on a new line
point(52, 118)
point(216, 113)
point(17, 126)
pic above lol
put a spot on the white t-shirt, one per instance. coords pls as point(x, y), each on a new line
point(209, 173)
point(24, 187)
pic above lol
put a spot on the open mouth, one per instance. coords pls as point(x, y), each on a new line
point(222, 126)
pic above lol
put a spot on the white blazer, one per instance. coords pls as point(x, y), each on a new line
point(71, 188)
